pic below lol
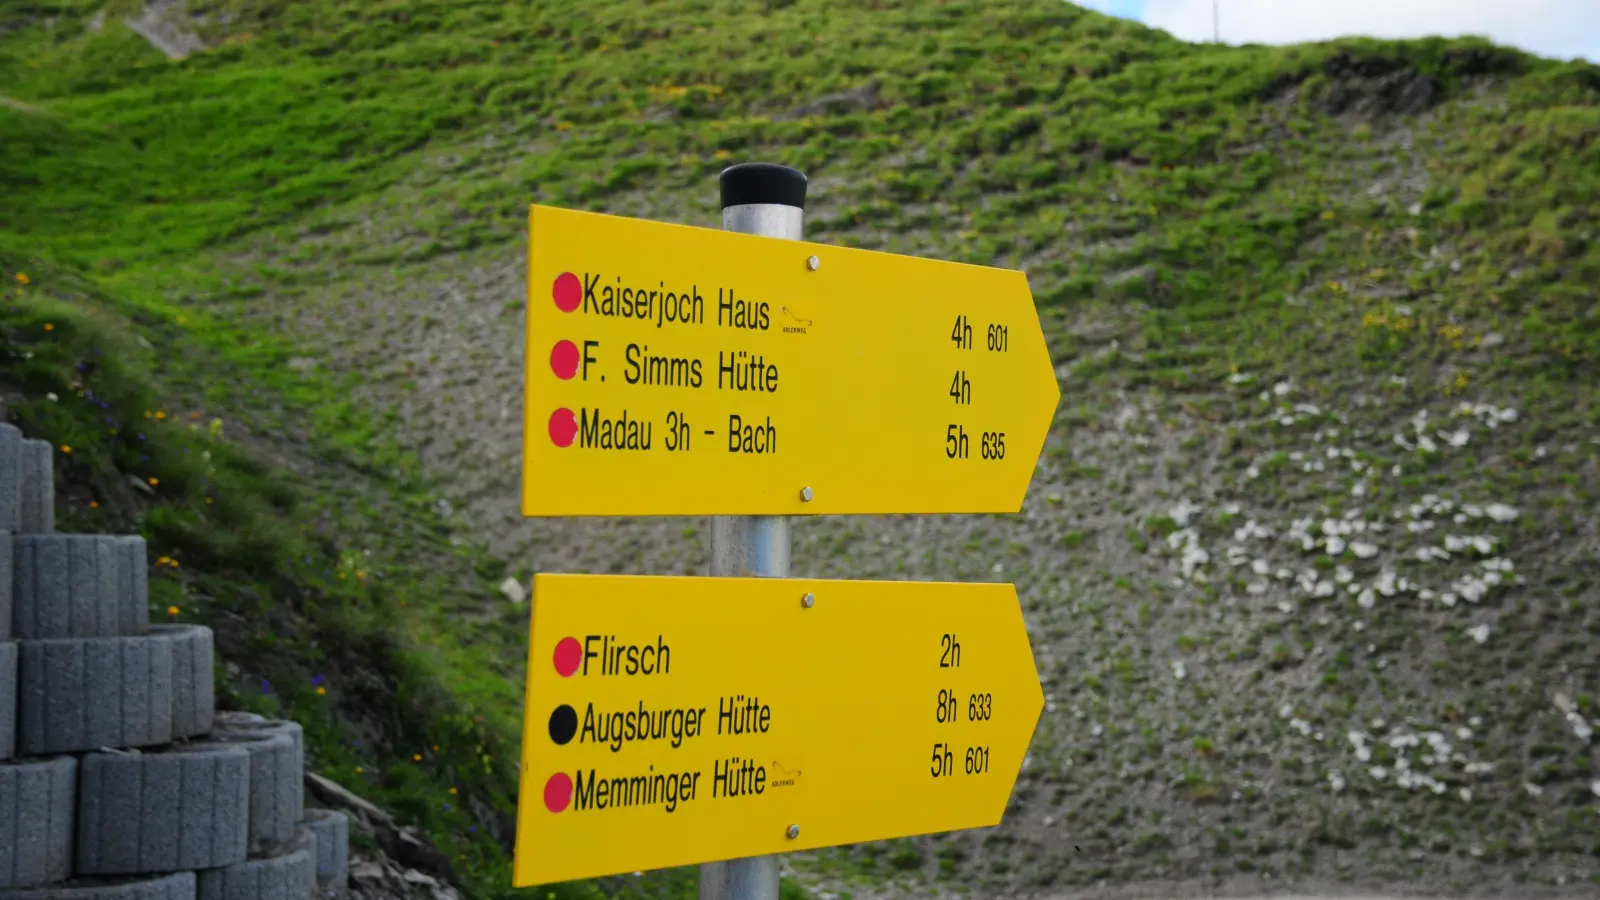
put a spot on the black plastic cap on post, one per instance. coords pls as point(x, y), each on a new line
point(763, 183)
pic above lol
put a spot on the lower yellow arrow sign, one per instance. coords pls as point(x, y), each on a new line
point(674, 720)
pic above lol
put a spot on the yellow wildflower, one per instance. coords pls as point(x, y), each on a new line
point(172, 610)
point(66, 448)
point(23, 279)
point(49, 327)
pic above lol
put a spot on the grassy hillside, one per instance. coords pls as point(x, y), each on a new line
point(1310, 559)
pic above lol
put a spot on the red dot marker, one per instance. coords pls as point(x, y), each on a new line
point(568, 292)
point(564, 359)
point(568, 655)
point(563, 427)
point(557, 792)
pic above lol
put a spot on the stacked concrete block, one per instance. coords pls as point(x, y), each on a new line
point(118, 778)
point(331, 829)
point(11, 441)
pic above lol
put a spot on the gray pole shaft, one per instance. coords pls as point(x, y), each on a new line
point(744, 546)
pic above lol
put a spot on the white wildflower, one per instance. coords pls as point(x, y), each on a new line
point(1385, 584)
point(1480, 633)
point(1500, 512)
point(1183, 511)
point(1581, 728)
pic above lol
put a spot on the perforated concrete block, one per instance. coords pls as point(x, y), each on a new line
point(36, 821)
point(10, 478)
point(178, 886)
point(183, 808)
point(236, 719)
point(286, 872)
point(7, 565)
point(277, 791)
point(277, 786)
point(9, 661)
point(194, 697)
point(79, 586)
point(86, 693)
point(37, 495)
point(332, 830)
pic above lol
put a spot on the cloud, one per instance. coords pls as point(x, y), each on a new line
point(1560, 28)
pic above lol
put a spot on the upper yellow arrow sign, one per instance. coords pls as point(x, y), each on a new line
point(673, 720)
point(688, 371)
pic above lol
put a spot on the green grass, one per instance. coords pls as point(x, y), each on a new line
point(1210, 209)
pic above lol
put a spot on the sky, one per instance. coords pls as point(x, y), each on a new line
point(1563, 29)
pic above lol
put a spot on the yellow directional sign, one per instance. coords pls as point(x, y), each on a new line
point(689, 371)
point(674, 720)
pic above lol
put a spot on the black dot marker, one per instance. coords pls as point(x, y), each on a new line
point(563, 724)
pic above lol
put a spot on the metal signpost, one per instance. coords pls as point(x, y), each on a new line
point(768, 201)
point(746, 375)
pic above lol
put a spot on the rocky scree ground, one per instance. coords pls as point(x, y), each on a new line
point(1306, 562)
